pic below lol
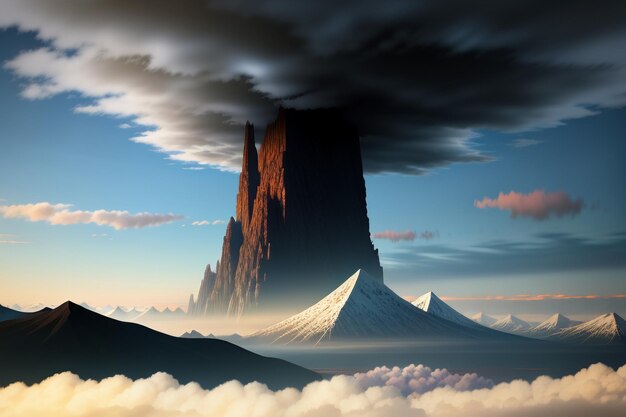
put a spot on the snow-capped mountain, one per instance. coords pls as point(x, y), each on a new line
point(7, 313)
point(552, 325)
point(362, 308)
point(434, 305)
point(30, 308)
point(511, 324)
point(605, 329)
point(484, 319)
point(125, 315)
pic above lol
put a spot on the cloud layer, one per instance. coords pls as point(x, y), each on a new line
point(62, 214)
point(419, 79)
point(597, 390)
point(538, 204)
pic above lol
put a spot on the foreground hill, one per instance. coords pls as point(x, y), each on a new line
point(72, 338)
point(7, 313)
point(364, 308)
point(603, 330)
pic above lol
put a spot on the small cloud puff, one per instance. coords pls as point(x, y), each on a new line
point(395, 236)
point(408, 235)
point(538, 204)
point(61, 214)
point(207, 222)
point(412, 391)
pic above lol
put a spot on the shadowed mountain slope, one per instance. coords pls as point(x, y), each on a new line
point(72, 338)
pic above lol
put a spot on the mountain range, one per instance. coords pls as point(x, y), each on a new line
point(72, 338)
point(552, 325)
point(483, 319)
point(512, 324)
point(364, 308)
point(606, 329)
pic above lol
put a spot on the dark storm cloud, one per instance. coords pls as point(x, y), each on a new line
point(548, 252)
point(419, 79)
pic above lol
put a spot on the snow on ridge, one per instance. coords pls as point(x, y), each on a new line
point(432, 304)
point(361, 307)
point(606, 328)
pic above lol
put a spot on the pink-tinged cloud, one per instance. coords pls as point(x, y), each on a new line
point(535, 297)
point(395, 236)
point(538, 204)
point(408, 235)
point(61, 214)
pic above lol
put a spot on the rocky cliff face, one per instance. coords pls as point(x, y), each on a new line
point(302, 224)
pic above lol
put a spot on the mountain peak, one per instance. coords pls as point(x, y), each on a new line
point(511, 324)
point(363, 307)
point(604, 329)
point(432, 304)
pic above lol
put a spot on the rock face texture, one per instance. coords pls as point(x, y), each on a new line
point(301, 222)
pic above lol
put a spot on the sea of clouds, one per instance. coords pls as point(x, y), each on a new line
point(597, 391)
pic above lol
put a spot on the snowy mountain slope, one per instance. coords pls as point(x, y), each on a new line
point(484, 319)
point(434, 305)
point(511, 324)
point(552, 325)
point(605, 329)
point(362, 308)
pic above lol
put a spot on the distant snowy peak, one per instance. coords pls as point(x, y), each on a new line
point(605, 329)
point(552, 325)
point(361, 308)
point(434, 305)
point(124, 315)
point(484, 319)
point(511, 324)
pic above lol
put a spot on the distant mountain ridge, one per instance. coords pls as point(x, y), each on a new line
point(608, 328)
point(552, 325)
point(72, 338)
point(364, 308)
point(484, 319)
point(511, 324)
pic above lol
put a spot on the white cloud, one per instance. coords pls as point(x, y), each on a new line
point(125, 126)
point(419, 379)
point(61, 214)
point(207, 222)
point(594, 391)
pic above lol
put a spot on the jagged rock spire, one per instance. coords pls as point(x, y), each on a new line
point(249, 179)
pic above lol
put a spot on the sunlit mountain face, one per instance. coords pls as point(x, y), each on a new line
point(295, 208)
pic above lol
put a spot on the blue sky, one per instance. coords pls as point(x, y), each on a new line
point(50, 153)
